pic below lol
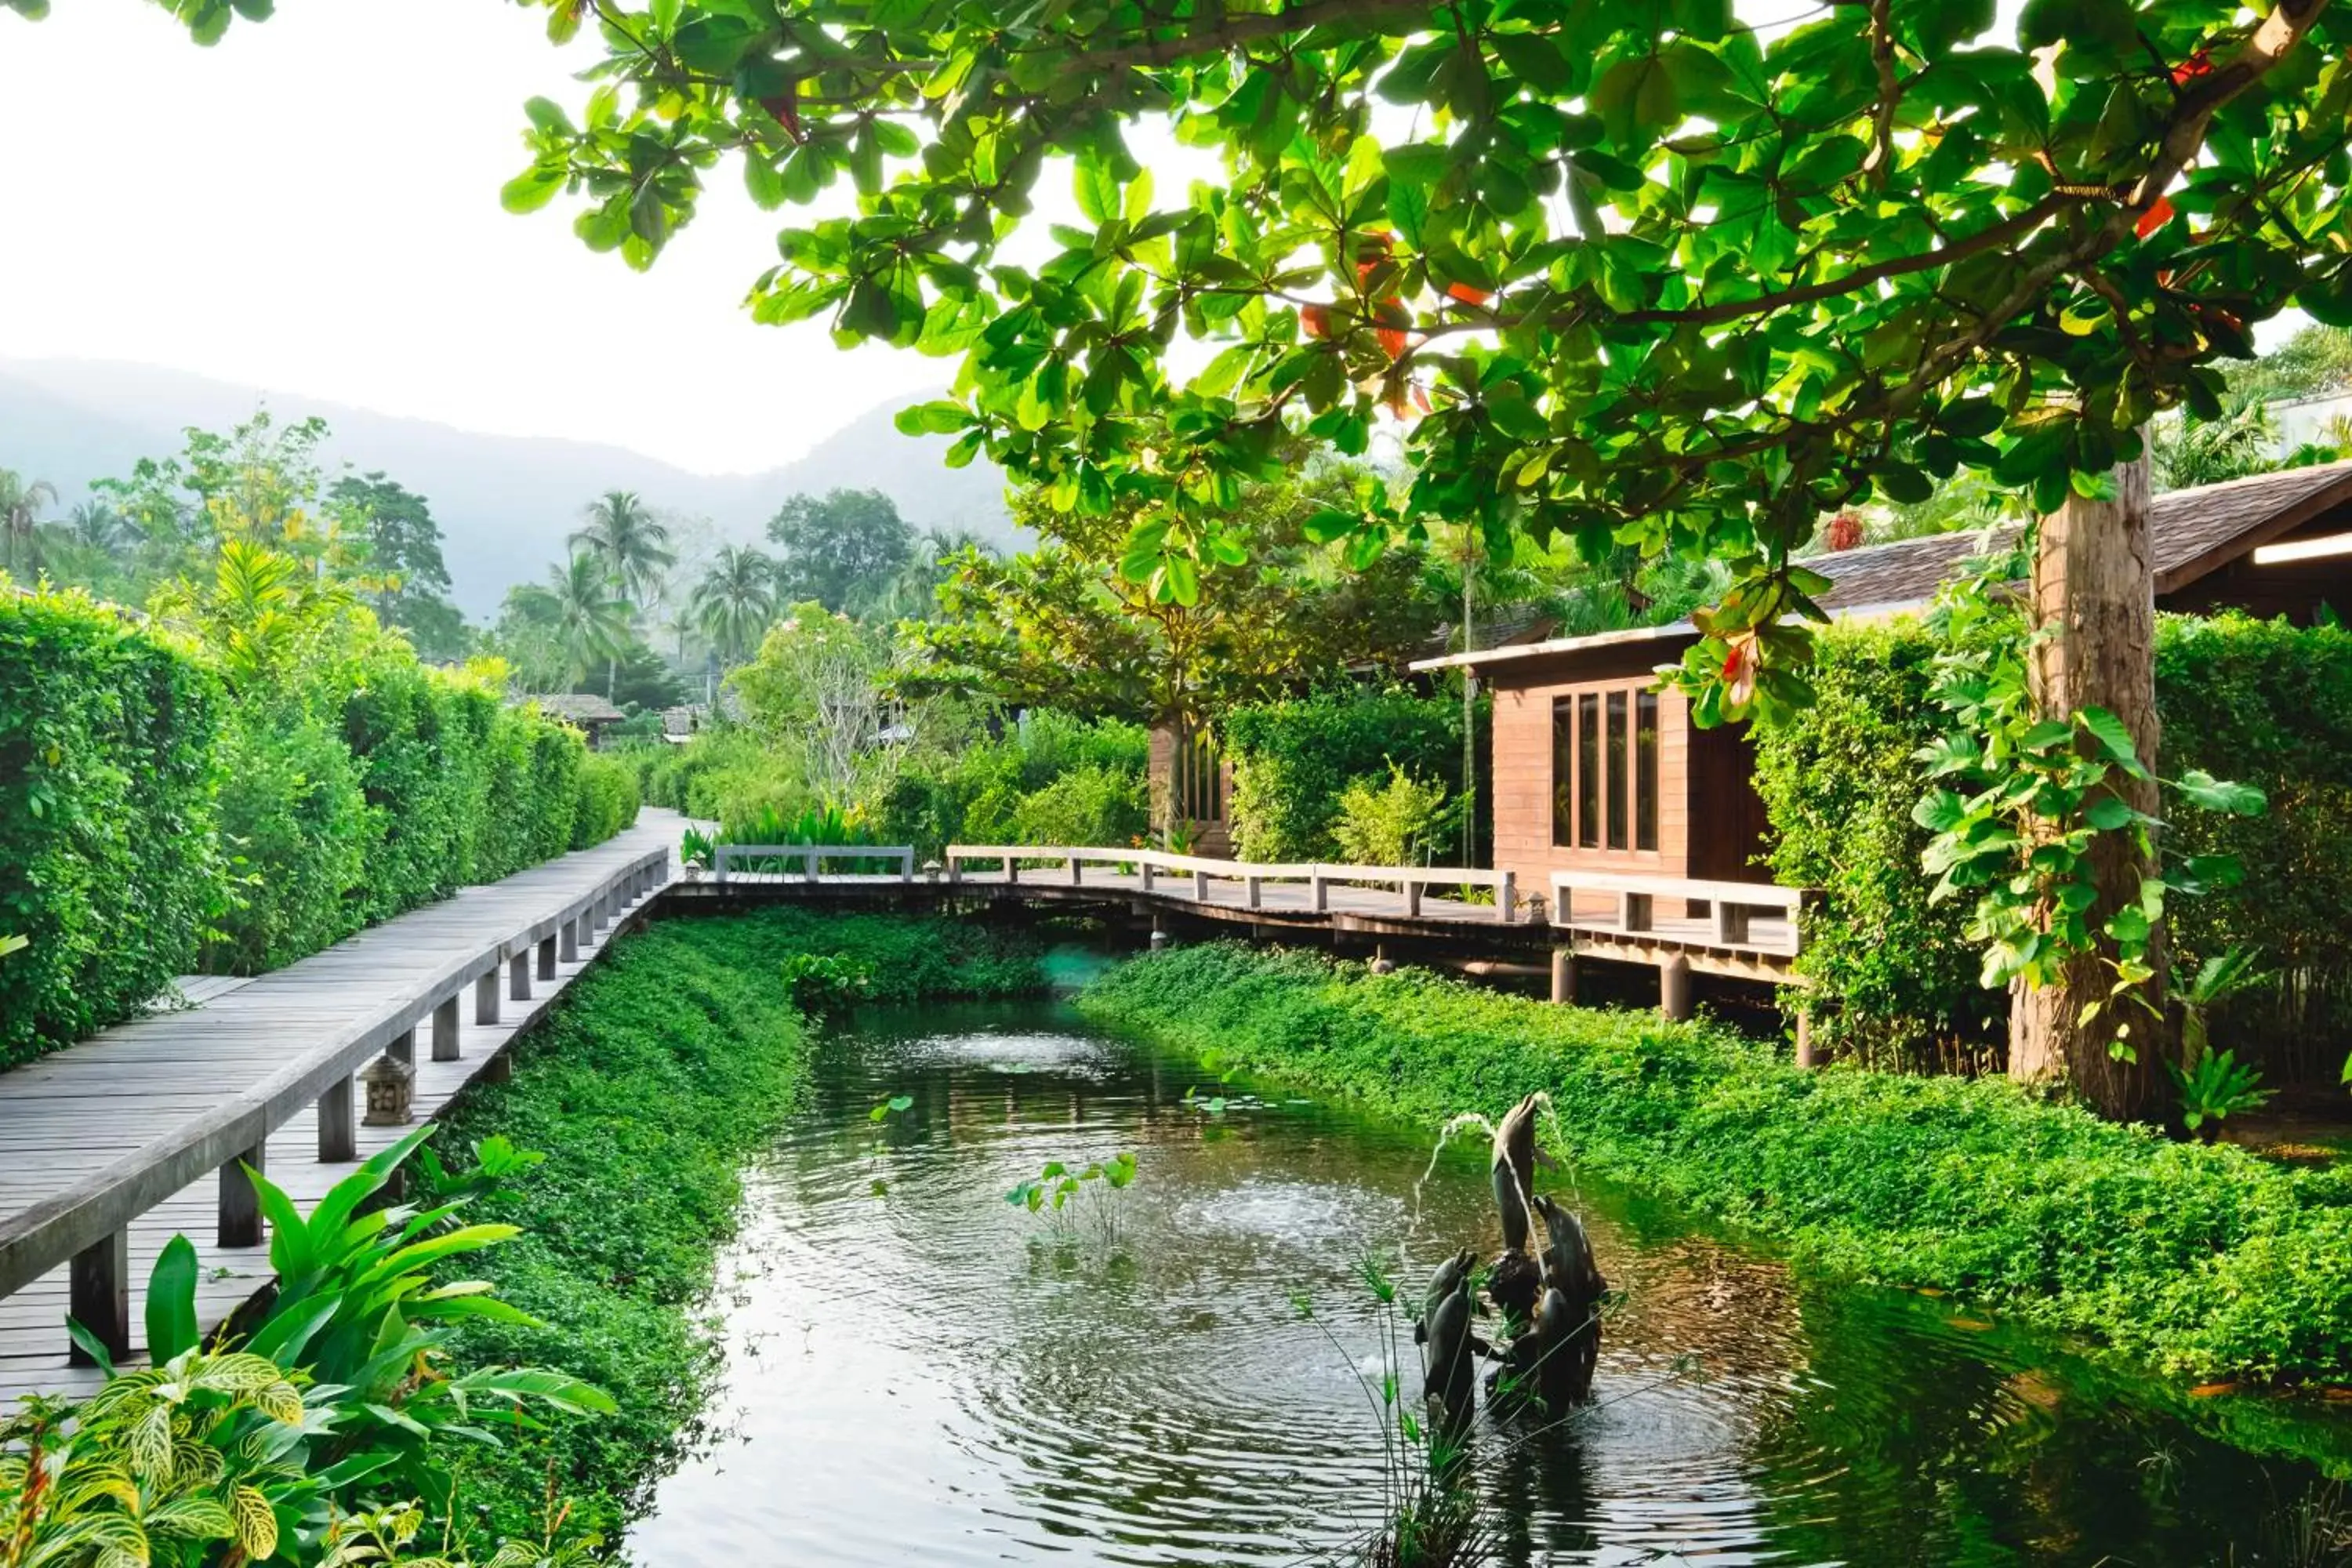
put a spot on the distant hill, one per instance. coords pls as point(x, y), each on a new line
point(505, 503)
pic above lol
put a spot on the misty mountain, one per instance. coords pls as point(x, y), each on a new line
point(505, 503)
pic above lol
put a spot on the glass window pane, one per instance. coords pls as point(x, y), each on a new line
point(1588, 751)
point(1563, 771)
point(1646, 769)
point(1617, 770)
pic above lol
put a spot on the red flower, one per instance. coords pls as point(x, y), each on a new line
point(1740, 667)
point(2197, 65)
point(2154, 218)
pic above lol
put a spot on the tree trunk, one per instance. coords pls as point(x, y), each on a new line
point(2094, 599)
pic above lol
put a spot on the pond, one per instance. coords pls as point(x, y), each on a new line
point(921, 1372)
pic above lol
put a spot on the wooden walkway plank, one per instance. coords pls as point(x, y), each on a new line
point(130, 1127)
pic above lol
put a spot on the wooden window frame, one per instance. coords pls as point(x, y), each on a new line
point(1588, 799)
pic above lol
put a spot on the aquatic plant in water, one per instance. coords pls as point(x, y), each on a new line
point(1063, 1193)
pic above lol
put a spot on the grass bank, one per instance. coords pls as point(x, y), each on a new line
point(647, 1088)
point(2204, 1262)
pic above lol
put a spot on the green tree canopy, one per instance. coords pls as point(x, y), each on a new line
point(1660, 278)
point(843, 548)
point(734, 602)
point(402, 572)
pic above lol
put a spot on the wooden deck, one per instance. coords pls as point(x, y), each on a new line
point(125, 1135)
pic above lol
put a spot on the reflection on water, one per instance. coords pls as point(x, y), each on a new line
point(922, 1373)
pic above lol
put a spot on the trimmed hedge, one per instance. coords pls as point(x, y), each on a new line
point(1293, 759)
point(149, 825)
point(2201, 1260)
point(109, 742)
point(2258, 701)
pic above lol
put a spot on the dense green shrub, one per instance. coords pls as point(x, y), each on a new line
point(608, 799)
point(1293, 760)
point(623, 1221)
point(2202, 1259)
point(1089, 804)
point(157, 819)
point(1893, 978)
point(109, 866)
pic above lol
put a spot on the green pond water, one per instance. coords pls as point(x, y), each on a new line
point(921, 1372)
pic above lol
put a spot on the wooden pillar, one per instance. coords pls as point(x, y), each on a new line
point(444, 1030)
point(1145, 866)
point(602, 909)
point(1507, 897)
point(404, 1046)
point(1256, 891)
point(547, 958)
point(1675, 988)
point(1805, 1038)
point(518, 977)
point(240, 1206)
point(1076, 864)
point(568, 941)
point(338, 1139)
point(1564, 975)
point(1200, 887)
point(1411, 898)
point(97, 1296)
point(485, 996)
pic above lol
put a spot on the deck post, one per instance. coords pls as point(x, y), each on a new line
point(1200, 887)
point(1075, 866)
point(567, 936)
point(1256, 886)
point(1634, 911)
point(955, 870)
point(808, 866)
point(240, 1204)
point(1412, 896)
point(1507, 898)
point(547, 958)
point(518, 977)
point(1805, 1057)
point(444, 1030)
point(404, 1046)
point(603, 908)
point(1564, 975)
point(485, 996)
point(1675, 988)
point(97, 1296)
point(1318, 892)
point(337, 1132)
point(718, 865)
point(1145, 866)
point(1012, 870)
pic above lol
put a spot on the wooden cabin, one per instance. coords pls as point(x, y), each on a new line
point(1595, 770)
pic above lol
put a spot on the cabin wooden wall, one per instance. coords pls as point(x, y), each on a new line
point(1522, 772)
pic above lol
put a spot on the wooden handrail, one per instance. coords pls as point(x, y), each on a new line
point(809, 855)
point(38, 1238)
point(1410, 880)
point(1731, 904)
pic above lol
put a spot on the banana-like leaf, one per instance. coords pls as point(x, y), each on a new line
point(172, 1301)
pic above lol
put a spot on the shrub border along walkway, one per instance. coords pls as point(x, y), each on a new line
point(2203, 1262)
point(648, 1088)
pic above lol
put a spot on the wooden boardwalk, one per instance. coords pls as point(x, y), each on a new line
point(109, 1147)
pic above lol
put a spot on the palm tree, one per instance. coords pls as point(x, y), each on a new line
point(589, 620)
point(634, 546)
point(735, 600)
point(20, 506)
point(96, 525)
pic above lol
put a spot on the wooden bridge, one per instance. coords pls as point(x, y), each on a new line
point(115, 1143)
point(111, 1145)
point(1681, 927)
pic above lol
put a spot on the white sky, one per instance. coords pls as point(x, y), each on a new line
point(312, 205)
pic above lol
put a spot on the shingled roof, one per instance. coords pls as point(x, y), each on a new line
point(2195, 531)
point(579, 707)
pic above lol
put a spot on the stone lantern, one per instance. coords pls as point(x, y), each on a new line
point(388, 1080)
point(931, 872)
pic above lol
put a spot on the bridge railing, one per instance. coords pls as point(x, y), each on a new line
point(739, 860)
point(1731, 908)
point(86, 1220)
point(1151, 864)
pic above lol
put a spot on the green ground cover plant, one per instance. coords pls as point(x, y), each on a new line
point(2202, 1261)
point(647, 1089)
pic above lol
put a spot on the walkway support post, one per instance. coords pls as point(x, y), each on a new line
point(1805, 1057)
point(98, 1295)
point(1506, 894)
point(339, 1141)
point(568, 938)
point(518, 977)
point(485, 996)
point(1564, 975)
point(445, 1029)
point(240, 1204)
point(1675, 988)
point(547, 958)
point(404, 1046)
